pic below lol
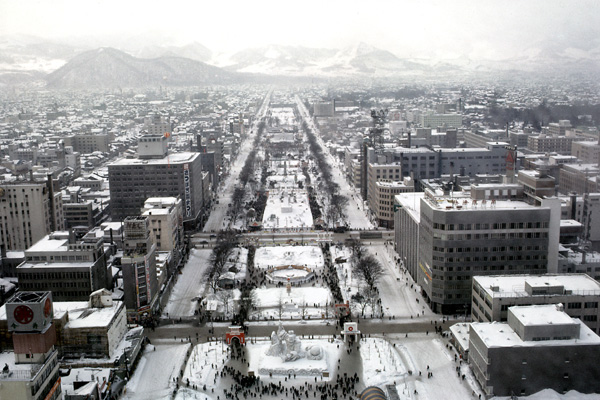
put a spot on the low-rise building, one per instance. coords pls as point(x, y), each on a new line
point(71, 269)
point(539, 347)
point(493, 295)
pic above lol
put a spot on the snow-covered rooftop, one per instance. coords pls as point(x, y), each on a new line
point(500, 334)
point(174, 158)
point(514, 285)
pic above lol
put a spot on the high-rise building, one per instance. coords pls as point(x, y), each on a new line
point(28, 212)
point(434, 120)
point(140, 284)
point(166, 225)
point(460, 237)
point(381, 198)
point(132, 181)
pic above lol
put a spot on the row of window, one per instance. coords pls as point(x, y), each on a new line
point(587, 304)
point(518, 257)
point(54, 275)
point(485, 249)
point(498, 225)
point(487, 236)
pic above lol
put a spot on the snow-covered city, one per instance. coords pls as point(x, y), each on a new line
point(246, 200)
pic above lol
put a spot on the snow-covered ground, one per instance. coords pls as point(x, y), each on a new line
point(308, 301)
point(287, 209)
point(204, 364)
point(277, 256)
point(189, 286)
point(399, 294)
point(153, 377)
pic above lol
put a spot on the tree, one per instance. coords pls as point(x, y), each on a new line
point(357, 249)
point(369, 269)
point(303, 308)
point(225, 243)
point(226, 296)
point(280, 304)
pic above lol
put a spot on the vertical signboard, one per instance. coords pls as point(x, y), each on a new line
point(187, 193)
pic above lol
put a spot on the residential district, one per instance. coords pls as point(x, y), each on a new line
point(252, 241)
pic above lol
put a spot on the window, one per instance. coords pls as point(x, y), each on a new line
point(591, 304)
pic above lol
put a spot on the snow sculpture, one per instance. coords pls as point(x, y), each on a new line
point(285, 345)
point(314, 352)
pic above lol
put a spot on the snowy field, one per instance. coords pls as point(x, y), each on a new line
point(277, 256)
point(308, 301)
point(381, 362)
point(205, 362)
point(153, 377)
point(287, 209)
point(189, 286)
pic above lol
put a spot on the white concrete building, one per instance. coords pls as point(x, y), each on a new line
point(494, 294)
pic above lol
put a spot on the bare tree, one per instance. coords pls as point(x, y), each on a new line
point(357, 249)
point(369, 269)
point(226, 242)
point(280, 304)
point(303, 308)
point(226, 296)
point(367, 297)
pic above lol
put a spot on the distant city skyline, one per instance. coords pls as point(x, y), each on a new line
point(490, 29)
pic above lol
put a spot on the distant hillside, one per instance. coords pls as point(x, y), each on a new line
point(108, 67)
point(360, 59)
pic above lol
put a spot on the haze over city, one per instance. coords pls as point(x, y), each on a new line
point(316, 200)
point(409, 29)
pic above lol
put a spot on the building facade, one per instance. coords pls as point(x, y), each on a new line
point(381, 198)
point(539, 347)
point(72, 270)
point(461, 237)
point(28, 212)
point(132, 181)
point(493, 295)
point(138, 264)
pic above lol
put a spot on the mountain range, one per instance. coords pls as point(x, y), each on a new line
point(109, 68)
point(67, 66)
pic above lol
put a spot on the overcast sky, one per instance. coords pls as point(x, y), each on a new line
point(445, 28)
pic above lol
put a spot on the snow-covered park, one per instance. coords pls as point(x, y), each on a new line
point(277, 256)
point(287, 209)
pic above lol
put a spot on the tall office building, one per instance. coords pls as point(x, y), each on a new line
point(460, 237)
point(140, 284)
point(132, 181)
point(28, 212)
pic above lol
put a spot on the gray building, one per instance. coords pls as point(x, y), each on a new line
point(540, 347)
point(70, 269)
point(140, 283)
point(132, 181)
point(460, 237)
point(493, 295)
point(29, 210)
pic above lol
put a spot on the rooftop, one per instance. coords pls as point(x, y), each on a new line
point(175, 158)
point(514, 285)
point(500, 334)
point(543, 314)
